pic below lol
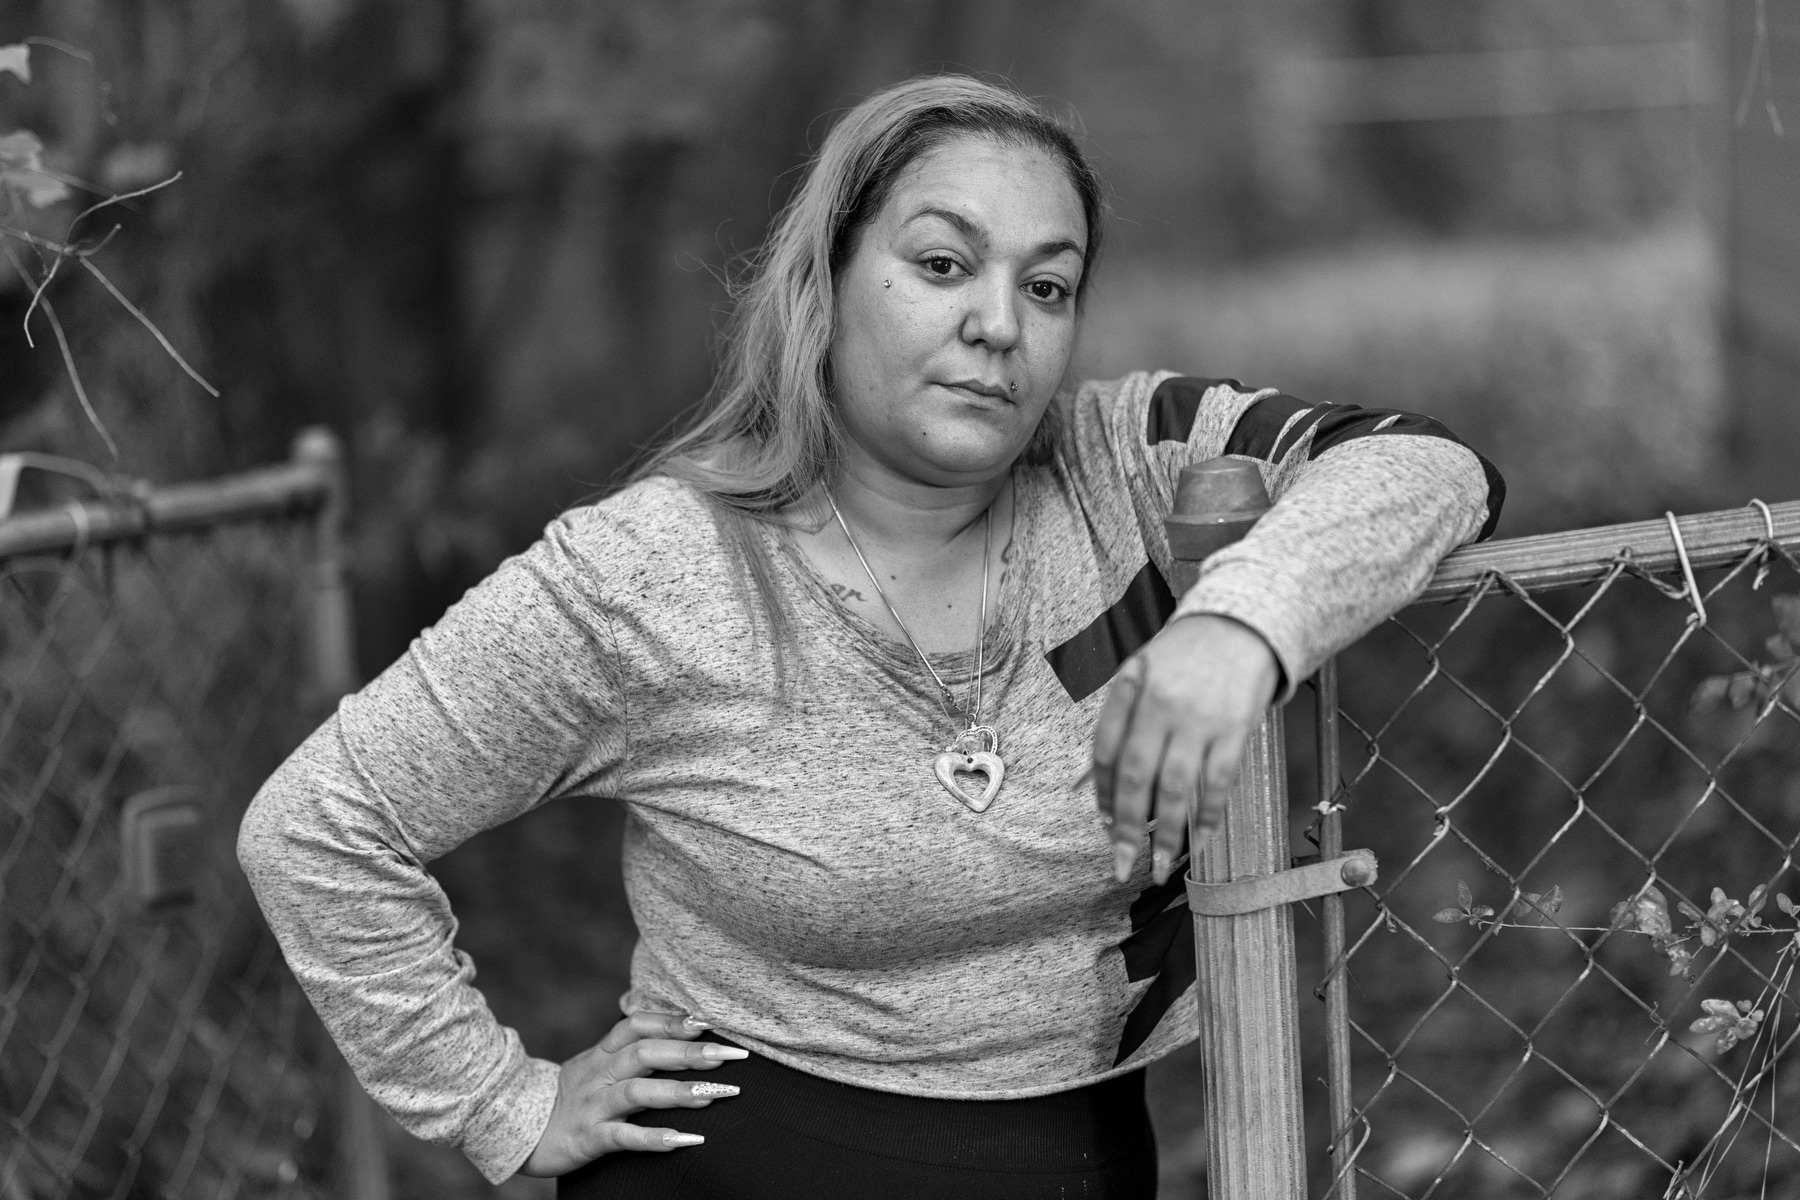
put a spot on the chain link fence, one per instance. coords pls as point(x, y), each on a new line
point(1579, 766)
point(158, 657)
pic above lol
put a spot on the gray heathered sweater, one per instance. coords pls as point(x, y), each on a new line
point(798, 876)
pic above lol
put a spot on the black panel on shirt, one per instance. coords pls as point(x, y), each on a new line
point(1161, 943)
point(1175, 404)
point(1086, 661)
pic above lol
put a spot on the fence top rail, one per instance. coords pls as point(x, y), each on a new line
point(310, 482)
point(1548, 561)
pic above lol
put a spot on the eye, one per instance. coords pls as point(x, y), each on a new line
point(942, 266)
point(1047, 291)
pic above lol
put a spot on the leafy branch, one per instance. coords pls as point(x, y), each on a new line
point(1646, 913)
point(1763, 682)
point(26, 183)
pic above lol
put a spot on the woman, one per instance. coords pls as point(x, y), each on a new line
point(840, 650)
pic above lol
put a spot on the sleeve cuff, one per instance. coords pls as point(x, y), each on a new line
point(500, 1140)
point(1269, 602)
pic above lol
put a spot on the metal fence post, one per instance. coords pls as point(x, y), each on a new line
point(331, 650)
point(1337, 995)
point(331, 645)
point(1249, 1021)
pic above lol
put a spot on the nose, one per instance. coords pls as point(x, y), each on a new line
point(993, 318)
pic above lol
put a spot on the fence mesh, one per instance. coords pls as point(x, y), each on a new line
point(151, 1041)
point(1575, 977)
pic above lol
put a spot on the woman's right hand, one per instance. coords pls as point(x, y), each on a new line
point(598, 1088)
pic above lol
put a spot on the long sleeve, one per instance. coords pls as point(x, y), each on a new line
point(1353, 538)
point(507, 702)
point(1366, 502)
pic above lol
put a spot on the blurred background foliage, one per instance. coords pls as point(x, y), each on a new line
point(484, 240)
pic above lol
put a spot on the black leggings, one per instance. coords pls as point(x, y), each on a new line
point(791, 1135)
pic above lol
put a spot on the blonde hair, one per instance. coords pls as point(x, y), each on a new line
point(768, 433)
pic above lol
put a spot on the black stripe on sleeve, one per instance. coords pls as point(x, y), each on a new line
point(1175, 404)
point(1346, 423)
point(1260, 426)
point(1302, 426)
point(1496, 496)
point(1086, 661)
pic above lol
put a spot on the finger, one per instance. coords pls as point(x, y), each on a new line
point(1139, 761)
point(1177, 786)
point(625, 1136)
point(1110, 731)
point(651, 1025)
point(1223, 758)
point(661, 1054)
point(634, 1095)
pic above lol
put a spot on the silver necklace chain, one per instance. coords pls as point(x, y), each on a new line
point(944, 694)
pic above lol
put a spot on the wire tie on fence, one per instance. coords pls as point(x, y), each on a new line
point(1687, 572)
point(1768, 520)
point(1768, 546)
point(79, 518)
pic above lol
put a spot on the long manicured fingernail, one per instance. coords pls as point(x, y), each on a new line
point(682, 1139)
point(1124, 855)
point(1159, 866)
point(724, 1053)
point(714, 1089)
point(695, 1023)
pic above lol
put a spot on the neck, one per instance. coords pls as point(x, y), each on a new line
point(904, 514)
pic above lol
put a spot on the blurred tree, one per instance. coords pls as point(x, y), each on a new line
point(1763, 255)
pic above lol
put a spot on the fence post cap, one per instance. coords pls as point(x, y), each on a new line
point(1216, 503)
point(1220, 489)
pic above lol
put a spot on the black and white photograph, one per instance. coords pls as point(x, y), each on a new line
point(890, 599)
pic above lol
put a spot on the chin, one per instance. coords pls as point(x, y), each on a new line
point(960, 459)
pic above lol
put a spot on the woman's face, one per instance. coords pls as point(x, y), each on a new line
point(956, 311)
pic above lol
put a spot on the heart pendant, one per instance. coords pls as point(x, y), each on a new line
point(980, 761)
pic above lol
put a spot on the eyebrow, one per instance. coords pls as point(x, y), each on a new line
point(978, 235)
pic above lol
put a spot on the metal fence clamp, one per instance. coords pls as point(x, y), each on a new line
point(1354, 869)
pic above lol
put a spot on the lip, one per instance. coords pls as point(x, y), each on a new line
point(992, 391)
